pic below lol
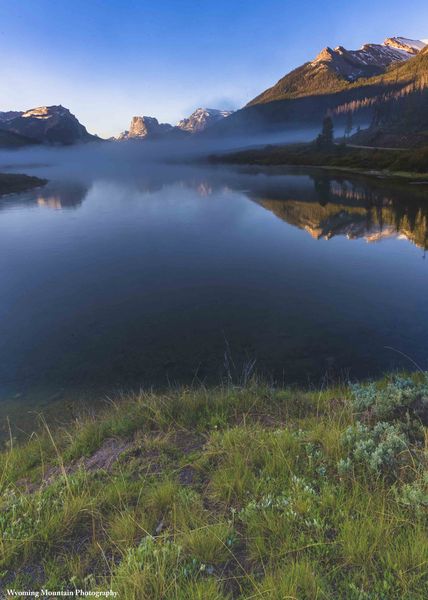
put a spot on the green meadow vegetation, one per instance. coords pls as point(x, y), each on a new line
point(235, 492)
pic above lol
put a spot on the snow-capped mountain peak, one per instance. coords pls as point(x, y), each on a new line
point(46, 112)
point(405, 44)
point(202, 118)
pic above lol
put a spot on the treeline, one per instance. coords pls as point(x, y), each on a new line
point(342, 156)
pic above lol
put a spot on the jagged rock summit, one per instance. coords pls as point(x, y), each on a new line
point(406, 45)
point(143, 127)
point(46, 124)
point(202, 118)
point(369, 60)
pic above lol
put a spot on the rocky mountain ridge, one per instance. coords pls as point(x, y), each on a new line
point(8, 115)
point(332, 70)
point(409, 46)
point(149, 127)
point(46, 125)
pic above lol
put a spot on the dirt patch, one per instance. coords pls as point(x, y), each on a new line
point(187, 475)
point(112, 450)
point(146, 462)
point(103, 459)
point(188, 442)
point(106, 456)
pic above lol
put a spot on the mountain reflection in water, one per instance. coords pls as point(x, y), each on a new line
point(350, 209)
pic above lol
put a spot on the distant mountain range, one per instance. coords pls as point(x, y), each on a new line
point(382, 88)
point(149, 127)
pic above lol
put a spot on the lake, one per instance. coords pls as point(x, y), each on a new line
point(124, 272)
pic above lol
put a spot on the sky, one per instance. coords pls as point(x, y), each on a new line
point(108, 60)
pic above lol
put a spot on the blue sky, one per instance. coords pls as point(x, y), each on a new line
point(108, 60)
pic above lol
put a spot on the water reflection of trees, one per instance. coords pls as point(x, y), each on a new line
point(373, 210)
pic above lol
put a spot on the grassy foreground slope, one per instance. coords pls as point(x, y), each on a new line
point(228, 493)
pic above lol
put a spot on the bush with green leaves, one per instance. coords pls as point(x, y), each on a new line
point(414, 495)
point(400, 399)
point(382, 449)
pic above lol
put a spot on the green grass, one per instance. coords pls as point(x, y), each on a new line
point(226, 493)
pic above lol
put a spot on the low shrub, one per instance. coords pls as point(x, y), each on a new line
point(403, 399)
point(382, 450)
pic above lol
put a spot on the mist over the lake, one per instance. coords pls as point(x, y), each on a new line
point(121, 158)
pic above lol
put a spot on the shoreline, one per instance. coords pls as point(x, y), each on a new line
point(308, 156)
point(15, 183)
point(408, 176)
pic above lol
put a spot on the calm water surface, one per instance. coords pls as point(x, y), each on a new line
point(117, 276)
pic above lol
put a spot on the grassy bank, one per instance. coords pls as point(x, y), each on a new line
point(408, 164)
point(215, 494)
point(11, 183)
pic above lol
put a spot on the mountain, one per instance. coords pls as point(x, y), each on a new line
point(143, 127)
point(337, 82)
point(8, 139)
point(46, 124)
point(410, 46)
point(8, 115)
point(333, 70)
point(400, 117)
point(150, 128)
point(202, 118)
